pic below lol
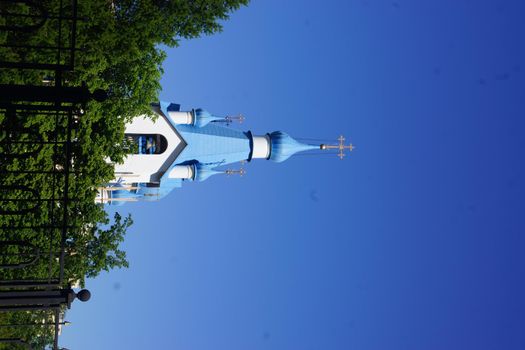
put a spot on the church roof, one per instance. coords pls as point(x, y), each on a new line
point(213, 144)
point(208, 143)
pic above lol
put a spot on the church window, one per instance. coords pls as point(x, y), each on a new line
point(147, 143)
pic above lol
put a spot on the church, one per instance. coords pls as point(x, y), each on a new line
point(179, 146)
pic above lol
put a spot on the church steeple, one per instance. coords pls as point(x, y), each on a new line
point(277, 146)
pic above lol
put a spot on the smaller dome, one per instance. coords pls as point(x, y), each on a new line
point(202, 117)
point(203, 172)
point(283, 146)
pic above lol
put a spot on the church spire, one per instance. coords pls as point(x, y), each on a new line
point(283, 146)
point(277, 146)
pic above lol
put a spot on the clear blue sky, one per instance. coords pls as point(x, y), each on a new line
point(415, 242)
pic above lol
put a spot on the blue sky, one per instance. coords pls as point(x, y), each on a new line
point(414, 242)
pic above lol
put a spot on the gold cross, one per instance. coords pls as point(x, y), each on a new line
point(229, 172)
point(341, 147)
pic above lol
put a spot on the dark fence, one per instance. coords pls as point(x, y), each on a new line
point(37, 146)
point(21, 19)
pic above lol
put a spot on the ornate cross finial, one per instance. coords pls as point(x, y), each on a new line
point(230, 119)
point(341, 147)
point(229, 172)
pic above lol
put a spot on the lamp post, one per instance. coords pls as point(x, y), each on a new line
point(43, 299)
point(29, 300)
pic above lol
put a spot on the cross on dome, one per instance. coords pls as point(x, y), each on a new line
point(341, 147)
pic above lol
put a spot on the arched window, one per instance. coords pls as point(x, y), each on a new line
point(147, 143)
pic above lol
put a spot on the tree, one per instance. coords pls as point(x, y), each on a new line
point(96, 248)
point(120, 53)
point(123, 41)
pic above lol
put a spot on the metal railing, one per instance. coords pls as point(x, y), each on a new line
point(34, 222)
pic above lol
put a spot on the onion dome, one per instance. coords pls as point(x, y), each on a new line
point(283, 146)
point(202, 117)
point(203, 171)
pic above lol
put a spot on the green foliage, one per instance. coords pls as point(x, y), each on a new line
point(119, 52)
point(96, 249)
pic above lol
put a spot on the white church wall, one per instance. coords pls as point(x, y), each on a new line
point(142, 167)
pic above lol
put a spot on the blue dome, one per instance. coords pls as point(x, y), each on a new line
point(283, 146)
point(203, 117)
point(202, 172)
